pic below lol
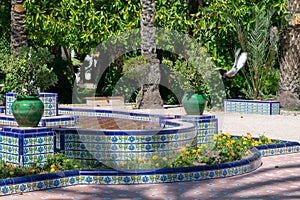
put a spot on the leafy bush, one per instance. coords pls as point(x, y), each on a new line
point(28, 72)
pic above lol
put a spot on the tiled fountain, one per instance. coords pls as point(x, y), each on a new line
point(90, 135)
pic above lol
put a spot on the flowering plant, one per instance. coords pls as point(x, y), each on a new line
point(226, 149)
point(55, 163)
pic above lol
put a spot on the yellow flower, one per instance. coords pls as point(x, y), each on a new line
point(67, 160)
point(244, 143)
point(232, 141)
point(154, 157)
point(165, 159)
point(52, 170)
point(224, 137)
point(171, 166)
point(228, 144)
point(187, 145)
point(269, 141)
point(194, 151)
point(228, 135)
point(238, 148)
point(182, 150)
point(75, 166)
point(11, 173)
point(187, 153)
point(52, 166)
point(215, 137)
point(157, 165)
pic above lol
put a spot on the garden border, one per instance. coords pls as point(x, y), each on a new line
point(108, 177)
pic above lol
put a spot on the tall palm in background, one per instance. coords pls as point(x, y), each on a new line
point(288, 87)
point(18, 27)
point(149, 96)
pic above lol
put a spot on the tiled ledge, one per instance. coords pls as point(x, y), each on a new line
point(252, 106)
point(108, 177)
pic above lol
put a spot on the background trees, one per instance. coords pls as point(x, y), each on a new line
point(81, 25)
point(288, 87)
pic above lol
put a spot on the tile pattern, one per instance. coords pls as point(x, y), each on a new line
point(9, 99)
point(2, 109)
point(26, 146)
point(121, 148)
point(111, 114)
point(206, 127)
point(66, 120)
point(50, 101)
point(252, 107)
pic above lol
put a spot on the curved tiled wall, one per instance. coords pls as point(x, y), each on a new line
point(137, 141)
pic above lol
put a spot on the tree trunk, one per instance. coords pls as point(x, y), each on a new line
point(18, 27)
point(288, 87)
point(149, 96)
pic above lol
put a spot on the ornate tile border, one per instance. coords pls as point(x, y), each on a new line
point(108, 177)
point(23, 146)
point(252, 106)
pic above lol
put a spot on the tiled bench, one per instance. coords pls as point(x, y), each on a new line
point(252, 106)
point(105, 101)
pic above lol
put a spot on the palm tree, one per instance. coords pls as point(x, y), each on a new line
point(18, 27)
point(149, 96)
point(288, 87)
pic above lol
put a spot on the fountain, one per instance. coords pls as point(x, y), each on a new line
point(96, 135)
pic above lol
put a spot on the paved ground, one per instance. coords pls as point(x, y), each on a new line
point(278, 178)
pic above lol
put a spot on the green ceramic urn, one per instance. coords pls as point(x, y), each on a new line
point(194, 104)
point(28, 110)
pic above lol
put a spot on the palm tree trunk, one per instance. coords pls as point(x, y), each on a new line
point(149, 96)
point(288, 86)
point(18, 27)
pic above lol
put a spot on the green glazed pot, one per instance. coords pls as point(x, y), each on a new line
point(27, 110)
point(194, 104)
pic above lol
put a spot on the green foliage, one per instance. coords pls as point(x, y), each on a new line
point(55, 22)
point(79, 25)
point(64, 85)
point(214, 28)
point(191, 74)
point(27, 72)
point(5, 17)
point(108, 81)
point(262, 48)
